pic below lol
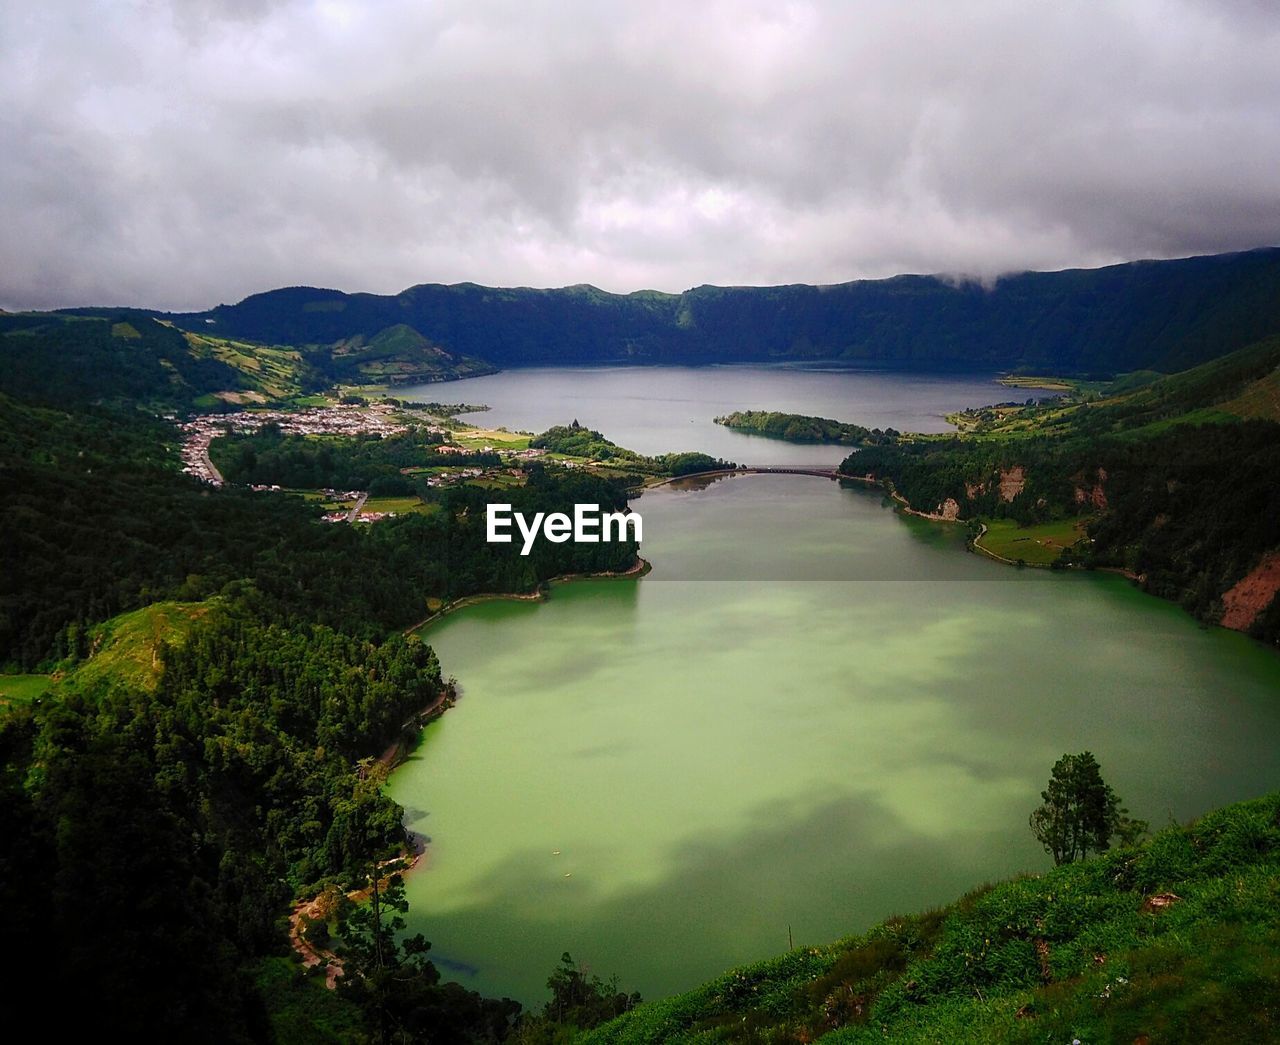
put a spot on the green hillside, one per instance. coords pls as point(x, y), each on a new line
point(1173, 483)
point(115, 357)
point(1149, 315)
point(1175, 941)
point(396, 355)
point(128, 649)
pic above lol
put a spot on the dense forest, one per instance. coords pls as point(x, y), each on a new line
point(802, 428)
point(1157, 315)
point(159, 821)
point(368, 462)
point(119, 357)
point(157, 837)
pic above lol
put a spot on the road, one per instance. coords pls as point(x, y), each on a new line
point(354, 514)
point(215, 476)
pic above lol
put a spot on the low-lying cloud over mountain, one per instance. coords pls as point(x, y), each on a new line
point(177, 155)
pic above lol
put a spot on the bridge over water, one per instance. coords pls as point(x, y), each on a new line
point(824, 473)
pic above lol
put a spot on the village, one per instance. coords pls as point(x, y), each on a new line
point(346, 419)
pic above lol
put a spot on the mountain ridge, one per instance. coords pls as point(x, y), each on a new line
point(1147, 314)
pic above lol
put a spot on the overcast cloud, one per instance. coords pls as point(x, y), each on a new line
point(179, 155)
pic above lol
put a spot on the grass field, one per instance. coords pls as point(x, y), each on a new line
point(501, 481)
point(22, 689)
point(399, 505)
point(473, 438)
point(1033, 544)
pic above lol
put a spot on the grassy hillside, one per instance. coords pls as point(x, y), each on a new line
point(127, 650)
point(396, 355)
point(113, 358)
point(116, 356)
point(1175, 941)
point(266, 373)
point(1158, 315)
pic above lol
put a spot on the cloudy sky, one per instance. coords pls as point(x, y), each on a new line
point(182, 154)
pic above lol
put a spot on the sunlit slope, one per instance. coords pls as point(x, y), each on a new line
point(126, 650)
point(1178, 940)
point(1241, 385)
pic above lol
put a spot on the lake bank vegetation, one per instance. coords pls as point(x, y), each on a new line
point(1170, 483)
point(801, 428)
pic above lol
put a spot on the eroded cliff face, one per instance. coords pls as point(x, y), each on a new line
point(1012, 482)
point(949, 509)
point(1095, 495)
point(1253, 593)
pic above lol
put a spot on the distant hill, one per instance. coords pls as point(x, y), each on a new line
point(1148, 315)
point(131, 355)
point(117, 356)
point(397, 354)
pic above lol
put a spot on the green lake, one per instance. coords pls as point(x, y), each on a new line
point(814, 712)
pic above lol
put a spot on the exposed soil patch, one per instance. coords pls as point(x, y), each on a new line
point(1095, 496)
point(1012, 482)
point(1252, 594)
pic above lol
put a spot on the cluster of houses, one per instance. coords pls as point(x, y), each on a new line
point(200, 431)
point(344, 516)
point(195, 453)
point(451, 478)
point(346, 419)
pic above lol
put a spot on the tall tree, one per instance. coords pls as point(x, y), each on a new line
point(1081, 812)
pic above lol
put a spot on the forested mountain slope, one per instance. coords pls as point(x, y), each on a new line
point(224, 671)
point(1174, 482)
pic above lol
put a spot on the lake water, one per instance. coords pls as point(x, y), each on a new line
point(658, 409)
point(813, 713)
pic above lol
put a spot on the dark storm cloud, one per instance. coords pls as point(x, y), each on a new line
point(179, 155)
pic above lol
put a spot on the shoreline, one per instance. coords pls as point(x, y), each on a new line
point(642, 566)
point(397, 752)
point(977, 545)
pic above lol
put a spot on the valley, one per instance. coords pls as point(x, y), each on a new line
point(807, 688)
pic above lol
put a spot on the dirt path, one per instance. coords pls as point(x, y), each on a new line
point(320, 908)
